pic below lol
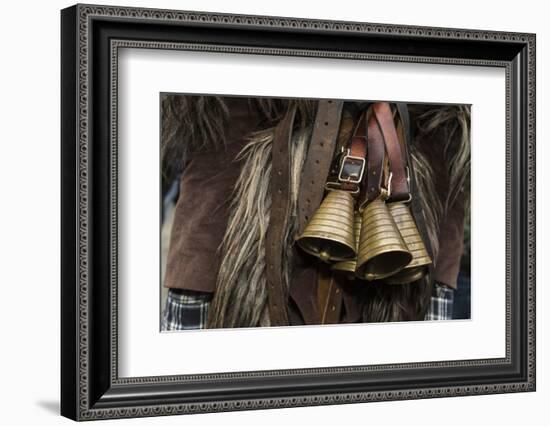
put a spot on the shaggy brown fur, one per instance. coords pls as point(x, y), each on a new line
point(194, 123)
point(241, 290)
point(451, 126)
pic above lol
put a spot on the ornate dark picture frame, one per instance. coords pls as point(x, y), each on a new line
point(91, 37)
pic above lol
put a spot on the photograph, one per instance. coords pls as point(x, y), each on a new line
point(292, 211)
point(264, 211)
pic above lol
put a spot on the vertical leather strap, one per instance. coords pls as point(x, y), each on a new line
point(318, 160)
point(375, 161)
point(329, 296)
point(404, 135)
point(404, 127)
point(357, 148)
point(280, 210)
point(315, 171)
point(358, 142)
point(399, 182)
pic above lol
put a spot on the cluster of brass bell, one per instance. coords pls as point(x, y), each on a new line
point(378, 242)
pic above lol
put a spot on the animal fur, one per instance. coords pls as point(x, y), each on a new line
point(241, 290)
point(452, 126)
point(196, 123)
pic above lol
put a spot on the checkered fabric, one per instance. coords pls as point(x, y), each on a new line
point(441, 305)
point(185, 310)
point(188, 310)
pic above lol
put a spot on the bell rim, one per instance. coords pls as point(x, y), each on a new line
point(420, 271)
point(303, 240)
point(361, 270)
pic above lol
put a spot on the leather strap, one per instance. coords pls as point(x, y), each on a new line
point(356, 147)
point(398, 165)
point(318, 160)
point(329, 296)
point(280, 210)
point(404, 127)
point(375, 162)
point(404, 135)
point(358, 143)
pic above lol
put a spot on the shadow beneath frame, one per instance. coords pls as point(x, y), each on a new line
point(50, 406)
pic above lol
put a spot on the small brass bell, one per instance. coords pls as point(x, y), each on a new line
point(348, 267)
point(382, 251)
point(329, 234)
point(418, 266)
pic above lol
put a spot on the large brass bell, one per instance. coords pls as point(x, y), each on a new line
point(348, 267)
point(382, 251)
point(329, 234)
point(418, 266)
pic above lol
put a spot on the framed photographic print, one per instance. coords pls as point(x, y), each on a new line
point(263, 212)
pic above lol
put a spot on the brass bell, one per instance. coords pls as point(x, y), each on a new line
point(418, 266)
point(382, 251)
point(348, 267)
point(329, 233)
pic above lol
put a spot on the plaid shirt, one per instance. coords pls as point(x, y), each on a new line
point(441, 305)
point(185, 310)
point(188, 310)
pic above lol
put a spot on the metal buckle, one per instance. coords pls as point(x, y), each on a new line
point(351, 161)
point(387, 192)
